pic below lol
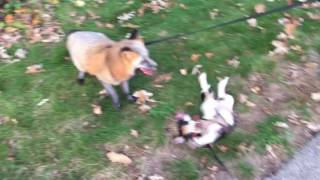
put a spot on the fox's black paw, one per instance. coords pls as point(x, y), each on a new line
point(131, 98)
point(116, 106)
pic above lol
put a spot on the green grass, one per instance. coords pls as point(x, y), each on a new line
point(246, 170)
point(268, 134)
point(184, 170)
point(51, 138)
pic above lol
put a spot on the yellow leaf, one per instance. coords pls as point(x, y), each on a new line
point(118, 158)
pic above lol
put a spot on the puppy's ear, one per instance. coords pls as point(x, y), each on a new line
point(134, 34)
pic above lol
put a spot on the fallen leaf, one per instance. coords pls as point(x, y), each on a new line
point(281, 47)
point(9, 19)
point(281, 125)
point(144, 108)
point(79, 3)
point(35, 69)
point(270, 150)
point(118, 158)
point(250, 104)
point(21, 53)
point(42, 102)
point(313, 127)
point(130, 25)
point(256, 89)
point(109, 25)
point(214, 13)
point(260, 8)
point(315, 96)
point(242, 98)
point(155, 177)
point(163, 78)
point(142, 96)
point(96, 109)
point(223, 148)
point(183, 6)
point(209, 54)
point(134, 133)
point(252, 22)
point(195, 57)
point(313, 16)
point(234, 62)
point(103, 92)
point(183, 72)
point(189, 104)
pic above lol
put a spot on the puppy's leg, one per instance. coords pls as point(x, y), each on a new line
point(222, 88)
point(81, 77)
point(126, 90)
point(113, 94)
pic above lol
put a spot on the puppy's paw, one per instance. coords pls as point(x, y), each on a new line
point(80, 81)
point(179, 140)
point(131, 98)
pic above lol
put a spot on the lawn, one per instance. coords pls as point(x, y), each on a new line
point(63, 139)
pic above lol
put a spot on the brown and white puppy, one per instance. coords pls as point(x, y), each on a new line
point(112, 62)
point(217, 117)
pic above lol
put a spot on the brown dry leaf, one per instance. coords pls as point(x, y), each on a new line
point(209, 54)
point(281, 125)
point(163, 78)
point(36, 19)
point(270, 150)
point(289, 28)
point(118, 158)
point(183, 72)
point(195, 57)
point(189, 104)
point(252, 22)
point(223, 148)
point(158, 85)
point(234, 62)
point(103, 92)
point(109, 25)
point(183, 6)
point(34, 69)
point(144, 108)
point(256, 89)
point(313, 127)
point(96, 109)
point(260, 8)
point(281, 47)
point(130, 25)
point(10, 29)
point(242, 98)
point(9, 19)
point(313, 16)
point(142, 96)
point(134, 133)
point(315, 96)
point(250, 104)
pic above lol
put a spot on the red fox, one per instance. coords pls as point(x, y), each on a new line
point(112, 62)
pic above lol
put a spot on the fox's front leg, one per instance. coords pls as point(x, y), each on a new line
point(126, 90)
point(112, 92)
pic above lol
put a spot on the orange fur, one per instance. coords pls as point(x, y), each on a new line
point(110, 65)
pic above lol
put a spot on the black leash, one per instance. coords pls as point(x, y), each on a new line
point(216, 157)
point(276, 10)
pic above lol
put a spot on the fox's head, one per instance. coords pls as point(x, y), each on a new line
point(134, 50)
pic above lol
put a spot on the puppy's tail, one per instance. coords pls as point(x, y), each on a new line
point(205, 87)
point(222, 88)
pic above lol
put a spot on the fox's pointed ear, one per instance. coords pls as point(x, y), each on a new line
point(134, 34)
